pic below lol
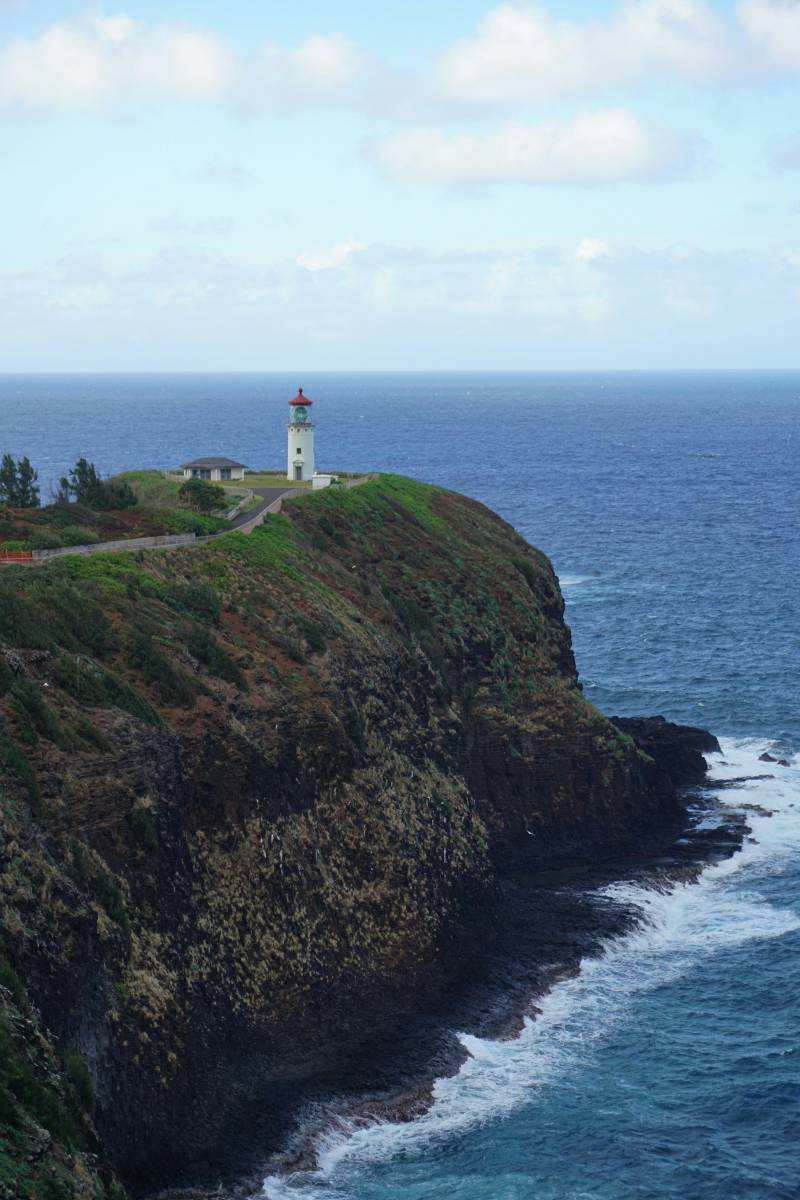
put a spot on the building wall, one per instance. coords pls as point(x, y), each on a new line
point(214, 474)
point(301, 438)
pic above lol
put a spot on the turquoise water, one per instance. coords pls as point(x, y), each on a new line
point(670, 1067)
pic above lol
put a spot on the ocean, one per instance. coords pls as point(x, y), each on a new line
point(668, 502)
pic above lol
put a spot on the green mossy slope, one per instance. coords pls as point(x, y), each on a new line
point(250, 791)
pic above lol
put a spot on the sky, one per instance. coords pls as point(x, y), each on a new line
point(570, 184)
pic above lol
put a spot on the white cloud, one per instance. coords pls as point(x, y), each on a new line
point(522, 53)
point(326, 260)
point(82, 297)
point(589, 249)
point(88, 62)
point(690, 298)
point(405, 306)
point(774, 26)
point(593, 148)
point(93, 61)
point(323, 68)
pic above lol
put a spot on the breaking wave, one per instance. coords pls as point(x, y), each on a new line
point(679, 930)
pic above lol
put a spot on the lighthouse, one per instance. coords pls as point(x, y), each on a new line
point(301, 439)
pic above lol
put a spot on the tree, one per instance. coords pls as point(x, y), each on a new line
point(18, 483)
point(88, 488)
point(27, 480)
point(202, 496)
point(82, 482)
point(8, 479)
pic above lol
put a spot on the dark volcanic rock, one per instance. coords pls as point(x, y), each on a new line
point(677, 749)
point(277, 813)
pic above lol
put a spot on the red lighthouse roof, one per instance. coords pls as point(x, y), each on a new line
point(300, 399)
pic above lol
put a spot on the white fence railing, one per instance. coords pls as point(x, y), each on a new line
point(143, 543)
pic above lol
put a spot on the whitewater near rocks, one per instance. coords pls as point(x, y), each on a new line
point(682, 928)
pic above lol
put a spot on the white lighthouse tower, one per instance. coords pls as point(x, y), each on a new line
point(301, 439)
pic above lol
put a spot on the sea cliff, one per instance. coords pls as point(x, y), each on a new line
point(260, 796)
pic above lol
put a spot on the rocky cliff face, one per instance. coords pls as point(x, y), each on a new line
point(251, 793)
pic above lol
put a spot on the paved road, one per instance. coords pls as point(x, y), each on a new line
point(268, 496)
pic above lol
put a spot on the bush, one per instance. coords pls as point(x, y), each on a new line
point(172, 685)
point(140, 820)
point(182, 520)
point(44, 539)
point(94, 687)
point(6, 676)
point(78, 1075)
point(204, 497)
point(92, 874)
point(32, 713)
point(76, 535)
point(12, 758)
point(11, 980)
point(202, 645)
point(53, 612)
point(23, 1094)
point(197, 599)
point(312, 632)
point(527, 569)
point(76, 621)
point(89, 736)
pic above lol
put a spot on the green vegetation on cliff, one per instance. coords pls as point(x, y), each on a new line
point(253, 787)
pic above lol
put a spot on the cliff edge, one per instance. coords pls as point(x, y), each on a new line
point(253, 793)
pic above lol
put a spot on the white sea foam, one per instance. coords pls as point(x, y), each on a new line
point(571, 581)
point(677, 928)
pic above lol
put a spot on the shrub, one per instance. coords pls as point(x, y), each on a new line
point(205, 647)
point(12, 758)
point(44, 539)
point(142, 826)
point(24, 1094)
point(412, 614)
point(92, 874)
point(76, 535)
point(330, 530)
point(527, 569)
point(197, 599)
point(11, 980)
point(204, 497)
point(89, 736)
point(312, 632)
point(354, 724)
point(33, 714)
point(182, 520)
point(292, 648)
point(6, 676)
point(95, 687)
point(53, 612)
point(172, 685)
point(77, 1073)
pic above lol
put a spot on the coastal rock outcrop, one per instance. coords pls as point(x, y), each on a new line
point(256, 797)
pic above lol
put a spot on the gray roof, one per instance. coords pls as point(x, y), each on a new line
point(207, 463)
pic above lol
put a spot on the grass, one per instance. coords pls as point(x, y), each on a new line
point(152, 489)
point(272, 479)
point(251, 502)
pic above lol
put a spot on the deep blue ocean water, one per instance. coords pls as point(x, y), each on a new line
point(670, 1067)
